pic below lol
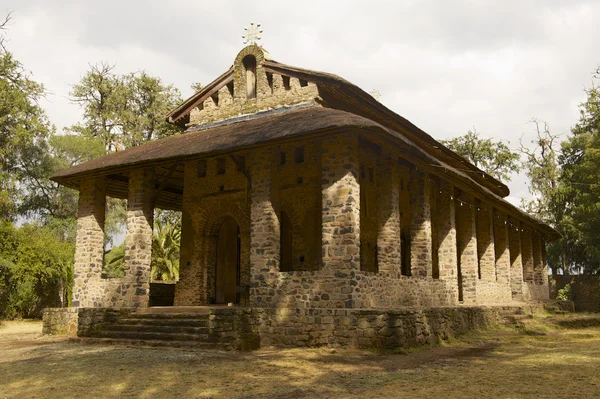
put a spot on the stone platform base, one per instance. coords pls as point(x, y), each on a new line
point(244, 328)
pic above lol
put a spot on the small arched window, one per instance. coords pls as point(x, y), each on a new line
point(250, 66)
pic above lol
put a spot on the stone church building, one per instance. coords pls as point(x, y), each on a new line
point(300, 191)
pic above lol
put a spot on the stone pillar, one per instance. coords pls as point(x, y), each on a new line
point(138, 238)
point(447, 256)
point(467, 248)
point(527, 254)
point(502, 248)
point(544, 262)
point(340, 192)
point(538, 262)
point(420, 231)
point(89, 244)
point(516, 258)
point(388, 236)
point(264, 228)
point(485, 242)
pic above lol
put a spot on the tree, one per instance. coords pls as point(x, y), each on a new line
point(166, 241)
point(36, 270)
point(580, 164)
point(550, 198)
point(24, 133)
point(493, 157)
point(123, 110)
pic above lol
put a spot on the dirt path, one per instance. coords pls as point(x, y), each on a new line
point(541, 361)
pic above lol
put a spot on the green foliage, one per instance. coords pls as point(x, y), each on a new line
point(114, 260)
point(493, 157)
point(123, 110)
point(24, 130)
point(36, 270)
point(166, 241)
point(580, 172)
point(564, 294)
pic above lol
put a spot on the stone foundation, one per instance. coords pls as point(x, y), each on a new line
point(60, 321)
point(251, 328)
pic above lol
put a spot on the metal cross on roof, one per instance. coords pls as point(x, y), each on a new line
point(252, 34)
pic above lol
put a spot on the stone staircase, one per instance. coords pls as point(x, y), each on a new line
point(514, 315)
point(182, 330)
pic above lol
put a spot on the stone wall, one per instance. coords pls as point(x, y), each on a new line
point(585, 290)
point(333, 202)
point(60, 321)
point(358, 328)
point(271, 91)
point(216, 188)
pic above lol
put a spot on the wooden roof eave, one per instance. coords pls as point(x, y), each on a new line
point(199, 97)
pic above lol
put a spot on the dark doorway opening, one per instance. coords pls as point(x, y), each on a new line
point(227, 277)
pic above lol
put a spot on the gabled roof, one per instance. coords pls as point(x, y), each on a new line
point(339, 93)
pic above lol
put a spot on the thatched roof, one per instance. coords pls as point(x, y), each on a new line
point(271, 126)
point(339, 93)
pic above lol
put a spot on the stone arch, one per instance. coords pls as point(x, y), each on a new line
point(211, 218)
point(243, 90)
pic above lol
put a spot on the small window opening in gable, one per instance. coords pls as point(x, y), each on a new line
point(250, 65)
point(299, 155)
point(282, 158)
point(201, 168)
point(215, 98)
point(220, 166)
point(230, 88)
point(303, 83)
point(286, 82)
point(270, 80)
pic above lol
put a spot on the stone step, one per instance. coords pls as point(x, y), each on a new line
point(158, 336)
point(154, 328)
point(181, 322)
point(153, 343)
point(168, 316)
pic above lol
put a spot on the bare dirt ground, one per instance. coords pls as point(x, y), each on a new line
point(542, 360)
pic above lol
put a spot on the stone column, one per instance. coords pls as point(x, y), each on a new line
point(538, 262)
point(89, 244)
point(388, 236)
point(467, 248)
point(527, 254)
point(516, 258)
point(544, 262)
point(485, 242)
point(340, 192)
point(420, 231)
point(447, 256)
point(502, 248)
point(264, 228)
point(138, 238)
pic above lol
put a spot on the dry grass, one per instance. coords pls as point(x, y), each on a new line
point(539, 360)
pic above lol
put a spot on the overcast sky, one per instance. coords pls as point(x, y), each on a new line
point(444, 65)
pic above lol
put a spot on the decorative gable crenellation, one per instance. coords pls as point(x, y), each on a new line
point(252, 88)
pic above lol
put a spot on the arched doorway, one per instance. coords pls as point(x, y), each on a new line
point(227, 277)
